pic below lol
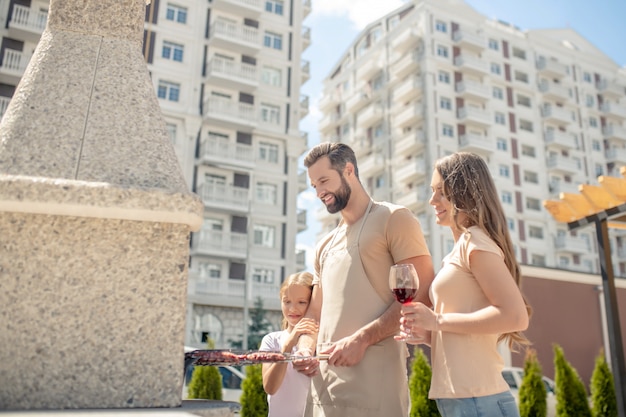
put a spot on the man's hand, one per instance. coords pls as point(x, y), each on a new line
point(348, 351)
point(307, 365)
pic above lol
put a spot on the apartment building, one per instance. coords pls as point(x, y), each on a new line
point(227, 74)
point(545, 108)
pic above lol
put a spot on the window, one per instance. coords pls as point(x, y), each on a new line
point(210, 270)
point(441, 26)
point(586, 77)
point(495, 68)
point(526, 125)
point(444, 77)
point(498, 93)
point(274, 6)
point(172, 51)
point(538, 260)
point(599, 169)
point(273, 40)
point(593, 122)
point(264, 235)
point(268, 152)
point(532, 177)
point(445, 103)
point(270, 113)
point(589, 100)
point(494, 44)
point(502, 144)
point(168, 91)
point(528, 151)
point(510, 224)
point(447, 130)
point(533, 204)
point(563, 262)
point(504, 171)
point(171, 132)
point(271, 76)
point(263, 275)
point(519, 53)
point(506, 197)
point(535, 232)
point(523, 100)
point(595, 145)
point(442, 51)
point(266, 193)
point(500, 118)
point(379, 181)
point(521, 77)
point(176, 13)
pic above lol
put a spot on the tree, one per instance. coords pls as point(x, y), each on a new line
point(602, 389)
point(571, 396)
point(419, 385)
point(206, 381)
point(532, 391)
point(253, 396)
point(259, 327)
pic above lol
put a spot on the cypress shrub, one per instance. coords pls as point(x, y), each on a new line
point(419, 385)
point(532, 391)
point(604, 401)
point(571, 396)
point(253, 396)
point(206, 381)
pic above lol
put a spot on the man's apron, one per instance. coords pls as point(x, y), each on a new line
point(376, 386)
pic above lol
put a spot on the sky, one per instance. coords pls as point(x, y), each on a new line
point(336, 23)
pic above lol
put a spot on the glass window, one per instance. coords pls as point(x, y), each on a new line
point(274, 6)
point(441, 26)
point(495, 68)
point(176, 13)
point(498, 93)
point(263, 275)
point(506, 197)
point(268, 152)
point(528, 151)
point(504, 171)
point(447, 130)
point(444, 77)
point(273, 40)
point(526, 125)
point(266, 193)
point(593, 122)
point(519, 53)
point(523, 100)
point(500, 118)
point(264, 235)
point(271, 76)
point(532, 177)
point(168, 91)
point(502, 144)
point(521, 76)
point(535, 232)
point(494, 44)
point(171, 131)
point(445, 103)
point(172, 51)
point(442, 51)
point(270, 113)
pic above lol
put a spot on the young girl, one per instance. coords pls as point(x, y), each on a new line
point(287, 389)
point(476, 297)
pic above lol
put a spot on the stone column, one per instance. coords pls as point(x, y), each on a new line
point(95, 220)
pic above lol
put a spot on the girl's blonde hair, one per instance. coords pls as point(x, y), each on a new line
point(302, 278)
point(468, 185)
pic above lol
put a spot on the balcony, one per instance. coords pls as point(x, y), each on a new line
point(371, 164)
point(556, 114)
point(329, 122)
point(370, 115)
point(558, 187)
point(614, 110)
point(304, 106)
point(230, 74)
point(220, 244)
point(405, 40)
point(410, 171)
point(410, 143)
point(559, 139)
point(306, 8)
point(306, 37)
point(357, 101)
point(27, 23)
point(4, 103)
point(471, 142)
point(554, 91)
point(616, 155)
point(230, 292)
point(247, 8)
point(610, 89)
point(474, 116)
point(571, 244)
point(469, 40)
point(224, 197)
point(471, 64)
point(13, 65)
point(407, 64)
point(563, 165)
point(301, 220)
point(407, 90)
point(235, 37)
point(303, 180)
point(409, 115)
point(473, 90)
point(220, 151)
point(300, 262)
point(368, 67)
point(614, 132)
point(228, 113)
point(551, 68)
point(414, 198)
point(329, 100)
point(305, 70)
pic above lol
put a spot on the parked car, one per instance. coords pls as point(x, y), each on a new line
point(513, 376)
point(231, 381)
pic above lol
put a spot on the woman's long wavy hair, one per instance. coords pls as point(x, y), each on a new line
point(468, 185)
point(304, 279)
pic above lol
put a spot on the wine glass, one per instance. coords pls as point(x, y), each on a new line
point(404, 283)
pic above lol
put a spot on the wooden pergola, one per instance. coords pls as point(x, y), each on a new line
point(604, 206)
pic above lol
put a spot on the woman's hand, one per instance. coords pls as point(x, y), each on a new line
point(418, 316)
point(304, 326)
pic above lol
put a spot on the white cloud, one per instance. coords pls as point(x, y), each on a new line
point(359, 12)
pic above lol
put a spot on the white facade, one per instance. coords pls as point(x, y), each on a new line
point(227, 74)
point(545, 108)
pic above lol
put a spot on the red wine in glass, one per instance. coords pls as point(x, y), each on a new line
point(404, 295)
point(403, 282)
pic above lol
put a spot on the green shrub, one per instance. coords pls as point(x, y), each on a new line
point(602, 389)
point(253, 396)
point(419, 385)
point(571, 396)
point(206, 381)
point(532, 391)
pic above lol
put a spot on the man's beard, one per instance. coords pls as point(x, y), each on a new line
point(341, 197)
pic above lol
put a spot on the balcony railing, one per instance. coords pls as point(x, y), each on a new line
point(4, 103)
point(224, 196)
point(473, 89)
point(245, 36)
point(471, 40)
point(551, 67)
point(220, 243)
point(14, 62)
point(28, 19)
point(216, 149)
point(226, 67)
point(614, 132)
point(228, 110)
point(561, 139)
